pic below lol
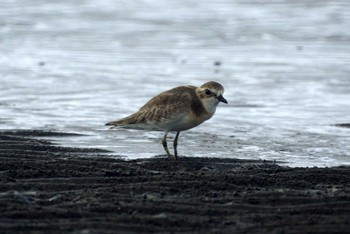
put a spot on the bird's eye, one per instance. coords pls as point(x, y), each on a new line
point(207, 92)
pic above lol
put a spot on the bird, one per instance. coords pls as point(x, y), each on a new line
point(175, 110)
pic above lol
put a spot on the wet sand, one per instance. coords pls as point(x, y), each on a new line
point(46, 188)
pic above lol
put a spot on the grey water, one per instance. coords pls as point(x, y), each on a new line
point(71, 66)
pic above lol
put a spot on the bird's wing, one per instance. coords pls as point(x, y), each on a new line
point(161, 111)
point(170, 105)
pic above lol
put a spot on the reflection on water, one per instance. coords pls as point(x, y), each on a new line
point(74, 65)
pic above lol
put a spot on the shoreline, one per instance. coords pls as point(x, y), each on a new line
point(50, 188)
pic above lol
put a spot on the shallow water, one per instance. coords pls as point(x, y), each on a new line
point(74, 65)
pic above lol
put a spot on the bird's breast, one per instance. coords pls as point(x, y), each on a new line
point(188, 121)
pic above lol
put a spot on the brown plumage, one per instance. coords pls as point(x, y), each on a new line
point(177, 109)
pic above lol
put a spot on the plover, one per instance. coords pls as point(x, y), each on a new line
point(175, 110)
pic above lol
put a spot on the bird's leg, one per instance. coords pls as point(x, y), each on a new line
point(165, 145)
point(175, 143)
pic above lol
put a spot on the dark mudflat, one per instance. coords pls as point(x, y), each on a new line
point(50, 189)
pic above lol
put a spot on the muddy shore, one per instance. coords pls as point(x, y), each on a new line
point(46, 188)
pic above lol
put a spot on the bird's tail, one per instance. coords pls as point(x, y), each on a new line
point(128, 122)
point(114, 124)
point(119, 123)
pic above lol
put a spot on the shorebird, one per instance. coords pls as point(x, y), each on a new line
point(177, 109)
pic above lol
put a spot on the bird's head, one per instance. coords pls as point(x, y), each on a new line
point(210, 94)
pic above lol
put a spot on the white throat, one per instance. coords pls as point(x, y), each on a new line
point(210, 104)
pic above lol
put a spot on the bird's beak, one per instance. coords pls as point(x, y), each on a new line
point(222, 99)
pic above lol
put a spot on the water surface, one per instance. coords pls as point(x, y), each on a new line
point(74, 65)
